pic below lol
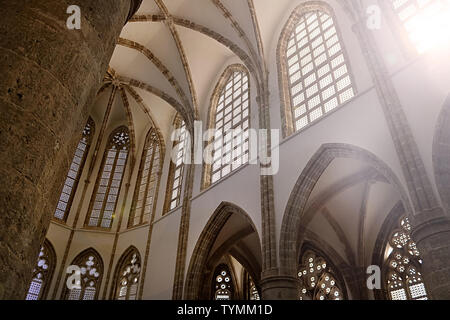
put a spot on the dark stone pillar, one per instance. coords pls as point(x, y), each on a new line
point(279, 288)
point(49, 78)
point(431, 232)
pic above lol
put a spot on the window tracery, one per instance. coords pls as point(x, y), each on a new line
point(146, 189)
point(74, 174)
point(128, 276)
point(404, 280)
point(107, 190)
point(317, 279)
point(223, 283)
point(91, 273)
point(42, 273)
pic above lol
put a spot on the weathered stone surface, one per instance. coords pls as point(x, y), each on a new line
point(50, 75)
point(432, 236)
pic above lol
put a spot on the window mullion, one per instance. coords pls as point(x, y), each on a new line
point(105, 200)
point(149, 176)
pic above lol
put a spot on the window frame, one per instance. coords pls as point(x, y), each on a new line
point(287, 111)
point(154, 138)
point(231, 284)
point(407, 46)
point(48, 274)
point(89, 137)
point(178, 124)
point(331, 268)
point(121, 264)
point(413, 262)
point(221, 84)
point(80, 258)
point(109, 145)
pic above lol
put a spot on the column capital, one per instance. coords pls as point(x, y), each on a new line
point(428, 223)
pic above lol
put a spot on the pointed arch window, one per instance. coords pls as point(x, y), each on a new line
point(127, 275)
point(91, 269)
point(223, 288)
point(42, 273)
point(251, 293)
point(402, 273)
point(107, 189)
point(425, 21)
point(176, 170)
point(74, 174)
point(317, 279)
point(230, 118)
point(144, 200)
point(315, 77)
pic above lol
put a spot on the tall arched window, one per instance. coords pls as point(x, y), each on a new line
point(128, 271)
point(230, 118)
point(223, 288)
point(402, 271)
point(144, 199)
point(73, 176)
point(176, 170)
point(317, 279)
point(91, 268)
point(313, 70)
point(42, 273)
point(107, 189)
point(425, 21)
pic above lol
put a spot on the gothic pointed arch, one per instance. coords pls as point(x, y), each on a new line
point(199, 259)
point(109, 180)
point(73, 176)
point(127, 275)
point(90, 264)
point(42, 273)
point(146, 192)
point(180, 147)
point(313, 70)
point(296, 206)
point(400, 261)
point(319, 277)
point(229, 118)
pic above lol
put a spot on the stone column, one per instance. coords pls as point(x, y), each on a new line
point(50, 76)
point(431, 232)
point(280, 288)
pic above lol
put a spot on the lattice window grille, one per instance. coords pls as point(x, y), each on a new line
point(318, 75)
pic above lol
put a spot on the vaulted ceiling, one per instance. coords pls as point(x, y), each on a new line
point(172, 51)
